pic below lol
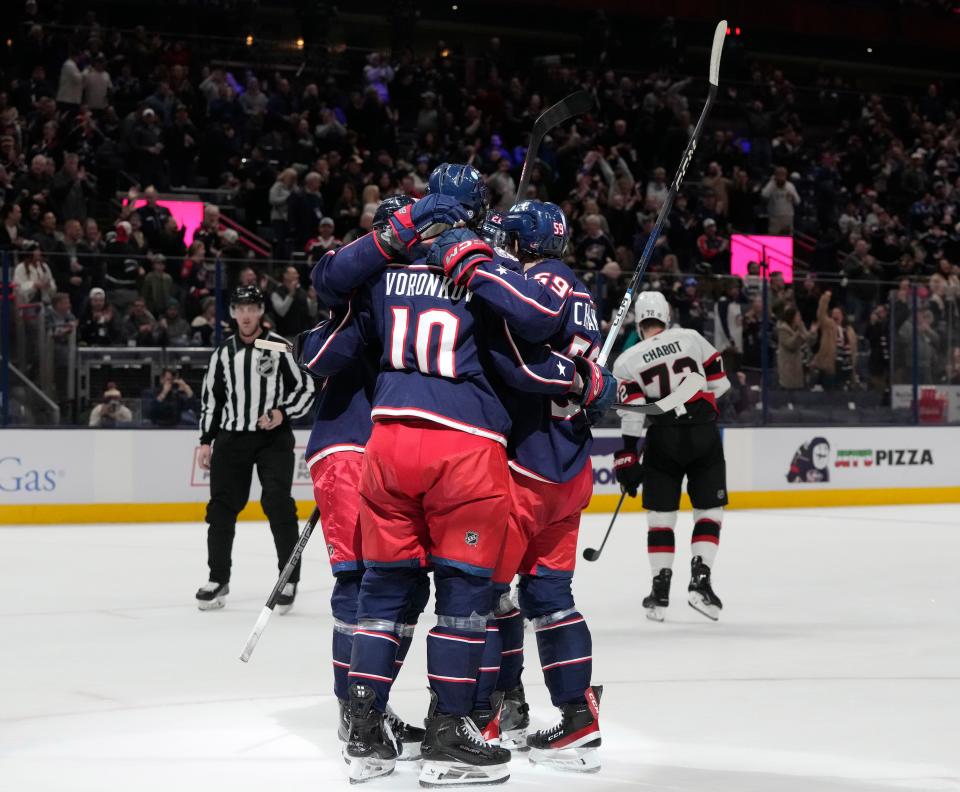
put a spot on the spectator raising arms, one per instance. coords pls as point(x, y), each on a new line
point(833, 363)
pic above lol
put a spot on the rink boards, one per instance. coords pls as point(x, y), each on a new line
point(67, 476)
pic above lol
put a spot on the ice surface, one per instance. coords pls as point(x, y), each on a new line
point(835, 666)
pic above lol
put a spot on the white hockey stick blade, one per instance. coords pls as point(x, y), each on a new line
point(690, 387)
point(273, 346)
point(255, 633)
point(718, 36)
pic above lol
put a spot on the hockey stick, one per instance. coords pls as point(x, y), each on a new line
point(577, 103)
point(692, 384)
point(273, 346)
point(718, 36)
point(589, 553)
point(267, 611)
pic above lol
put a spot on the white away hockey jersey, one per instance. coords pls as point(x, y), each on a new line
point(653, 368)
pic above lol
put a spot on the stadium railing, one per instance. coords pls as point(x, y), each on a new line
point(908, 372)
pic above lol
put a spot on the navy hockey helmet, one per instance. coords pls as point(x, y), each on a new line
point(539, 228)
point(465, 184)
point(387, 207)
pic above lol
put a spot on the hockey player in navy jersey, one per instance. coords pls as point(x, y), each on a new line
point(439, 433)
point(551, 484)
point(682, 443)
point(334, 455)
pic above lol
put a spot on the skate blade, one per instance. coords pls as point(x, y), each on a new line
point(570, 760)
point(454, 774)
point(363, 769)
point(208, 605)
point(657, 614)
point(700, 605)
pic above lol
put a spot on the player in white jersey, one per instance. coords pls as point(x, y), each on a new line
point(682, 443)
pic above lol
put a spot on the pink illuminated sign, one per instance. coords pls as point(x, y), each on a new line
point(188, 214)
point(745, 248)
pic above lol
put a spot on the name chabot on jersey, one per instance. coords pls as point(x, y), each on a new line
point(420, 284)
point(673, 348)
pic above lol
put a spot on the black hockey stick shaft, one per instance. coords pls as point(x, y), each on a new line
point(294, 559)
point(288, 568)
point(589, 553)
point(718, 36)
point(577, 103)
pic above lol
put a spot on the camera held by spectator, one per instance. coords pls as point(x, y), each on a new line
point(111, 411)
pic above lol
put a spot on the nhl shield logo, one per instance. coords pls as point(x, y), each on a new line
point(267, 365)
point(330, 549)
point(471, 538)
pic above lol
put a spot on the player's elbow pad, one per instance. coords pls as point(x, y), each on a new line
point(718, 387)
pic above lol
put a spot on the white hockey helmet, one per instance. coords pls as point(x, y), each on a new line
point(651, 305)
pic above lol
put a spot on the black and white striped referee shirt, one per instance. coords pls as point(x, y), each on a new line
point(243, 382)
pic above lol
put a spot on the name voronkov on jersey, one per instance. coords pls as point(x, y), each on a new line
point(418, 284)
point(673, 348)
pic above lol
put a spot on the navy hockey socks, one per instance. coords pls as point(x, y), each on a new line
point(489, 668)
point(511, 651)
point(566, 654)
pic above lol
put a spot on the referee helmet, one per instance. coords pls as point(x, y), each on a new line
point(245, 295)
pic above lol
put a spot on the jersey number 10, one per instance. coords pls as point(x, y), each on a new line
point(443, 322)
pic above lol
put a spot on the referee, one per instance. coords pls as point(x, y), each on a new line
point(249, 397)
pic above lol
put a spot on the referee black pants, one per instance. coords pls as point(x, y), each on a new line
point(235, 454)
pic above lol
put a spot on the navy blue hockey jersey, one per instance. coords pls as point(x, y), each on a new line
point(551, 438)
point(444, 355)
point(342, 418)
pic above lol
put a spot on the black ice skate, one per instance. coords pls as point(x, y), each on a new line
point(514, 720)
point(572, 744)
point(455, 754)
point(658, 600)
point(286, 597)
point(488, 720)
point(408, 738)
point(701, 596)
point(369, 750)
point(210, 596)
point(343, 722)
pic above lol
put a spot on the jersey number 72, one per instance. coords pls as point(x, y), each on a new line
point(661, 375)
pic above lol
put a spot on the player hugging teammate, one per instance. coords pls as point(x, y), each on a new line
point(678, 444)
point(466, 362)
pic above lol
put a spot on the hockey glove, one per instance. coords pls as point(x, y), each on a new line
point(598, 388)
point(422, 220)
point(459, 251)
point(629, 472)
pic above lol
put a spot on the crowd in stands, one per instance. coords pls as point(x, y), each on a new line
point(304, 158)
